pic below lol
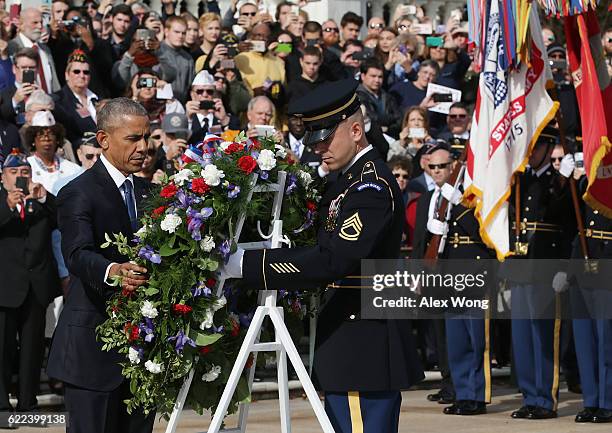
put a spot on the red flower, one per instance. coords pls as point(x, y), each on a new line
point(169, 191)
point(255, 144)
point(182, 309)
point(210, 283)
point(206, 349)
point(233, 148)
point(131, 331)
point(311, 206)
point(199, 186)
point(247, 164)
point(235, 329)
point(159, 211)
point(290, 160)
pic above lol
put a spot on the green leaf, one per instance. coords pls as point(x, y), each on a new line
point(204, 339)
point(166, 251)
point(150, 291)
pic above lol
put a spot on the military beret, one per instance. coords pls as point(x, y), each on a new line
point(323, 109)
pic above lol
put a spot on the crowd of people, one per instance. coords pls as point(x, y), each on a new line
point(223, 72)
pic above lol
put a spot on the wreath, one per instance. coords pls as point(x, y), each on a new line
point(176, 323)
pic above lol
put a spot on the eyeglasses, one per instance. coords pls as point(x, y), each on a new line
point(376, 26)
point(248, 14)
point(403, 176)
point(556, 159)
point(209, 92)
point(457, 116)
point(90, 156)
point(331, 30)
point(440, 166)
point(79, 71)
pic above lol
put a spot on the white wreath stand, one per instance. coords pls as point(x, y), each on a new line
point(283, 344)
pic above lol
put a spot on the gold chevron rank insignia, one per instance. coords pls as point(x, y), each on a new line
point(284, 268)
point(351, 228)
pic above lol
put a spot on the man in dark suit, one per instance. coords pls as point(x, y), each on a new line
point(12, 99)
point(29, 278)
point(103, 200)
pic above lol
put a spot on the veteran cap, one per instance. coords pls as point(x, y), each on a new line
point(324, 108)
point(15, 159)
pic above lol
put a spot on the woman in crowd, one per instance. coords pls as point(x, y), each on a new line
point(556, 156)
point(453, 63)
point(210, 52)
point(152, 21)
point(143, 88)
point(284, 37)
point(192, 37)
point(386, 43)
point(150, 170)
point(296, 27)
point(414, 133)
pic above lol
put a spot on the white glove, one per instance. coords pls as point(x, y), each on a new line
point(451, 194)
point(567, 165)
point(560, 283)
point(437, 227)
point(233, 268)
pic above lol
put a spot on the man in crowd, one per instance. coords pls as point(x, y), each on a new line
point(350, 63)
point(173, 53)
point(119, 40)
point(13, 97)
point(29, 279)
point(111, 193)
point(350, 26)
point(89, 150)
point(457, 131)
point(409, 93)
point(375, 26)
point(30, 32)
point(261, 112)
point(310, 64)
point(331, 37)
point(174, 137)
point(381, 107)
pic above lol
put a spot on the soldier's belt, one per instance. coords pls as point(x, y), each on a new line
point(536, 226)
point(598, 234)
point(462, 240)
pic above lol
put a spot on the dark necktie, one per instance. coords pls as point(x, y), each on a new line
point(128, 198)
point(41, 71)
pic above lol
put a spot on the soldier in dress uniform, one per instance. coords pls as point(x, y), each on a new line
point(467, 332)
point(593, 336)
point(547, 227)
point(361, 365)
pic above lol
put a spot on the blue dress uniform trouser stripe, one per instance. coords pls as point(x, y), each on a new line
point(466, 357)
point(593, 339)
point(364, 412)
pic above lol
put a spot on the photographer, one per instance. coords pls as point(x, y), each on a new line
point(205, 110)
point(566, 94)
point(211, 51)
point(144, 88)
point(352, 56)
point(175, 135)
point(25, 69)
point(143, 54)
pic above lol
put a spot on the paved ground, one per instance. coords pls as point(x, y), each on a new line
point(418, 416)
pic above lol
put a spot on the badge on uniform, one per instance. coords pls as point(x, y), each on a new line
point(332, 215)
point(351, 228)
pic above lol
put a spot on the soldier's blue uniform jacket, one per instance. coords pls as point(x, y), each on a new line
point(361, 217)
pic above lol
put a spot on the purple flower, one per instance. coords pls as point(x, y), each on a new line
point(224, 249)
point(147, 328)
point(307, 224)
point(233, 190)
point(181, 340)
point(264, 175)
point(148, 253)
point(282, 293)
point(292, 184)
point(255, 154)
point(245, 319)
point(183, 200)
point(200, 289)
point(196, 219)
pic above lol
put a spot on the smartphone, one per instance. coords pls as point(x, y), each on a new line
point(15, 11)
point(265, 130)
point(284, 47)
point(442, 97)
point(146, 83)
point(143, 34)
point(409, 10)
point(434, 41)
point(422, 29)
point(169, 167)
point(312, 42)
point(22, 183)
point(558, 64)
point(416, 132)
point(207, 105)
point(579, 158)
point(228, 64)
point(258, 46)
point(29, 76)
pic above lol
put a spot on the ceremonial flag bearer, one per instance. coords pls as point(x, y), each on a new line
point(361, 365)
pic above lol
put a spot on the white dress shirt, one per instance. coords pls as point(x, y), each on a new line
point(90, 105)
point(356, 157)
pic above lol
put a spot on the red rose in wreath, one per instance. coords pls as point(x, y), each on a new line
point(199, 186)
point(247, 164)
point(169, 191)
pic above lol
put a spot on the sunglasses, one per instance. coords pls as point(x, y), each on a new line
point(403, 27)
point(457, 116)
point(90, 156)
point(79, 71)
point(403, 176)
point(331, 30)
point(556, 159)
point(440, 166)
point(156, 137)
point(376, 26)
point(248, 14)
point(209, 92)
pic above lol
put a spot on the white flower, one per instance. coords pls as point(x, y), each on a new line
point(225, 145)
point(219, 303)
point(212, 175)
point(266, 160)
point(305, 178)
point(208, 320)
point(148, 310)
point(153, 367)
point(170, 223)
point(207, 244)
point(142, 232)
point(212, 375)
point(134, 356)
point(281, 152)
point(182, 176)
